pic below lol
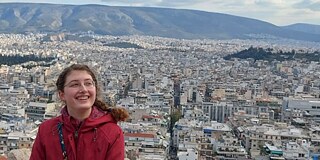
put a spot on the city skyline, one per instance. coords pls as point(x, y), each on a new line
point(278, 12)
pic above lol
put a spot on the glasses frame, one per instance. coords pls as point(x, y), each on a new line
point(79, 84)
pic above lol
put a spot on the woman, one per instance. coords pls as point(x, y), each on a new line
point(87, 127)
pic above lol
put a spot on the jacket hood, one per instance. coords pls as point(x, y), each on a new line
point(96, 119)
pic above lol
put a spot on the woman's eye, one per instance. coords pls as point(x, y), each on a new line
point(89, 84)
point(74, 85)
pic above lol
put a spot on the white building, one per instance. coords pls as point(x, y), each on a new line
point(311, 106)
point(37, 110)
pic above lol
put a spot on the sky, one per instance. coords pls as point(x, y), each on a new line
point(278, 12)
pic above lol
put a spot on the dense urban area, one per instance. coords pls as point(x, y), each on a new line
point(187, 99)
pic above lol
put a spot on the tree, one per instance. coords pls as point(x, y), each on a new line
point(174, 117)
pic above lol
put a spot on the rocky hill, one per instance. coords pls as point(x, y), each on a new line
point(174, 23)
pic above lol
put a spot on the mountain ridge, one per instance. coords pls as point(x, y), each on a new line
point(304, 27)
point(116, 20)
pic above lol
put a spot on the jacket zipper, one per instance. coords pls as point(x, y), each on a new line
point(76, 134)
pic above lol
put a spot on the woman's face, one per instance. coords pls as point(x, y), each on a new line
point(79, 91)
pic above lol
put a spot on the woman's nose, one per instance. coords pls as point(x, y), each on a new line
point(82, 87)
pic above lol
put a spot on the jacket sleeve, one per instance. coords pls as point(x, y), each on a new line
point(116, 150)
point(38, 152)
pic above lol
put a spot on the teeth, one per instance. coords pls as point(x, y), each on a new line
point(83, 98)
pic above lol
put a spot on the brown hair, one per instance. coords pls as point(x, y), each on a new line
point(119, 114)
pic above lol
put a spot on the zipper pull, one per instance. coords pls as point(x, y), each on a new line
point(76, 134)
point(77, 130)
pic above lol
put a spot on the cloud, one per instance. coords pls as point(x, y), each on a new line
point(313, 5)
point(271, 3)
point(279, 12)
point(154, 3)
point(181, 3)
point(178, 3)
point(130, 2)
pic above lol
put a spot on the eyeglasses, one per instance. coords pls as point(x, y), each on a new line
point(78, 84)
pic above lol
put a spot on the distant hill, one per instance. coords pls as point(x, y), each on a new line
point(173, 23)
point(269, 55)
point(303, 27)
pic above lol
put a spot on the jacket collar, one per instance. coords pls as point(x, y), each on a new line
point(97, 118)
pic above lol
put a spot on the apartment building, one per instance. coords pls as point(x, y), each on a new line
point(37, 110)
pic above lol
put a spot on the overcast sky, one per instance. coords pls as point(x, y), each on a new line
point(278, 12)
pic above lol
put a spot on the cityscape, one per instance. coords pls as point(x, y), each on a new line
point(201, 80)
point(185, 100)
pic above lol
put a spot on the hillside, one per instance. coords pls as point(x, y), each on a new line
point(269, 55)
point(174, 23)
point(303, 27)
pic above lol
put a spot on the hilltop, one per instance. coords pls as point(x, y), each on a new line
point(111, 20)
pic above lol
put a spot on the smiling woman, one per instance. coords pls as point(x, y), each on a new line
point(79, 94)
point(87, 127)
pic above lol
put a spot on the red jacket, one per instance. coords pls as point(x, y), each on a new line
point(98, 138)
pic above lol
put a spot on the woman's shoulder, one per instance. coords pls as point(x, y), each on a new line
point(111, 130)
point(110, 123)
point(48, 124)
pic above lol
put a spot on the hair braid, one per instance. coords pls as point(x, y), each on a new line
point(118, 113)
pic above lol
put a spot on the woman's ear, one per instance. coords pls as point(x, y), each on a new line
point(61, 95)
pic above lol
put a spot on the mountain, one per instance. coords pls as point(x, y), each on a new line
point(174, 23)
point(303, 27)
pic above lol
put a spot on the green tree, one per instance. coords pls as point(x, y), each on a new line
point(174, 117)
